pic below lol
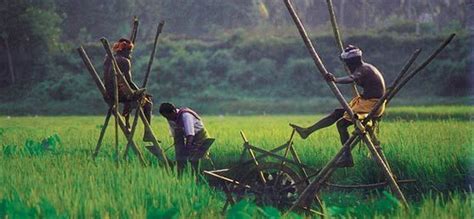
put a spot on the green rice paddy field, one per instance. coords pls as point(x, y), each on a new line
point(430, 144)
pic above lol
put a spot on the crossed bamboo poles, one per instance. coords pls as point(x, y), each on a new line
point(113, 106)
point(307, 196)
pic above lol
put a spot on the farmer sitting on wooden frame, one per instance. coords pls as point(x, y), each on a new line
point(122, 49)
point(364, 75)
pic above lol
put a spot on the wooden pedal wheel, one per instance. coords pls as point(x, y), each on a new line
point(271, 184)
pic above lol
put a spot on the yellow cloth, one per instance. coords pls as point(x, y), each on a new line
point(362, 107)
point(201, 137)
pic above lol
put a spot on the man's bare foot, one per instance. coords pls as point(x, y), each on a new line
point(301, 131)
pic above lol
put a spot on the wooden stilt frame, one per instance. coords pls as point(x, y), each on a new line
point(306, 198)
point(110, 111)
point(364, 132)
point(113, 106)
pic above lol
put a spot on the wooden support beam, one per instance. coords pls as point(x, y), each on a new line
point(133, 35)
point(339, 43)
point(115, 107)
point(388, 174)
point(421, 67)
point(102, 133)
point(279, 148)
point(313, 188)
point(132, 133)
point(368, 186)
point(405, 69)
point(270, 154)
point(92, 71)
point(152, 56)
point(242, 134)
point(126, 133)
point(317, 60)
point(154, 140)
point(255, 161)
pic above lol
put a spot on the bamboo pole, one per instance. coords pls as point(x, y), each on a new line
point(339, 43)
point(405, 68)
point(391, 179)
point(368, 186)
point(127, 133)
point(329, 168)
point(317, 59)
point(155, 142)
point(132, 133)
point(287, 149)
point(252, 155)
point(134, 33)
point(277, 156)
point(101, 87)
point(300, 164)
point(115, 107)
point(271, 152)
point(282, 164)
point(422, 66)
point(152, 56)
point(102, 133)
point(92, 71)
point(313, 188)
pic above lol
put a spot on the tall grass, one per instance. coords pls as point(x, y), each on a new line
point(47, 170)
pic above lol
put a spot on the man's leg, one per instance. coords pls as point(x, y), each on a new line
point(147, 110)
point(346, 159)
point(195, 166)
point(180, 152)
point(180, 163)
point(127, 109)
point(323, 123)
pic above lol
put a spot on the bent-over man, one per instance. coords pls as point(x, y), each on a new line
point(191, 139)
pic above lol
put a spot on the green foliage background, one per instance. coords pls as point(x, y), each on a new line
point(224, 58)
point(245, 74)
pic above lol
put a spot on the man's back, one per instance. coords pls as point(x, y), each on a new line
point(370, 78)
point(124, 66)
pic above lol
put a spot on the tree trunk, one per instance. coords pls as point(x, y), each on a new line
point(10, 62)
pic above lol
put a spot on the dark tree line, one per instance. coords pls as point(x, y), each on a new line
point(90, 19)
point(38, 38)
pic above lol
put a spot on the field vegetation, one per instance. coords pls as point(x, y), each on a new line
point(47, 170)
